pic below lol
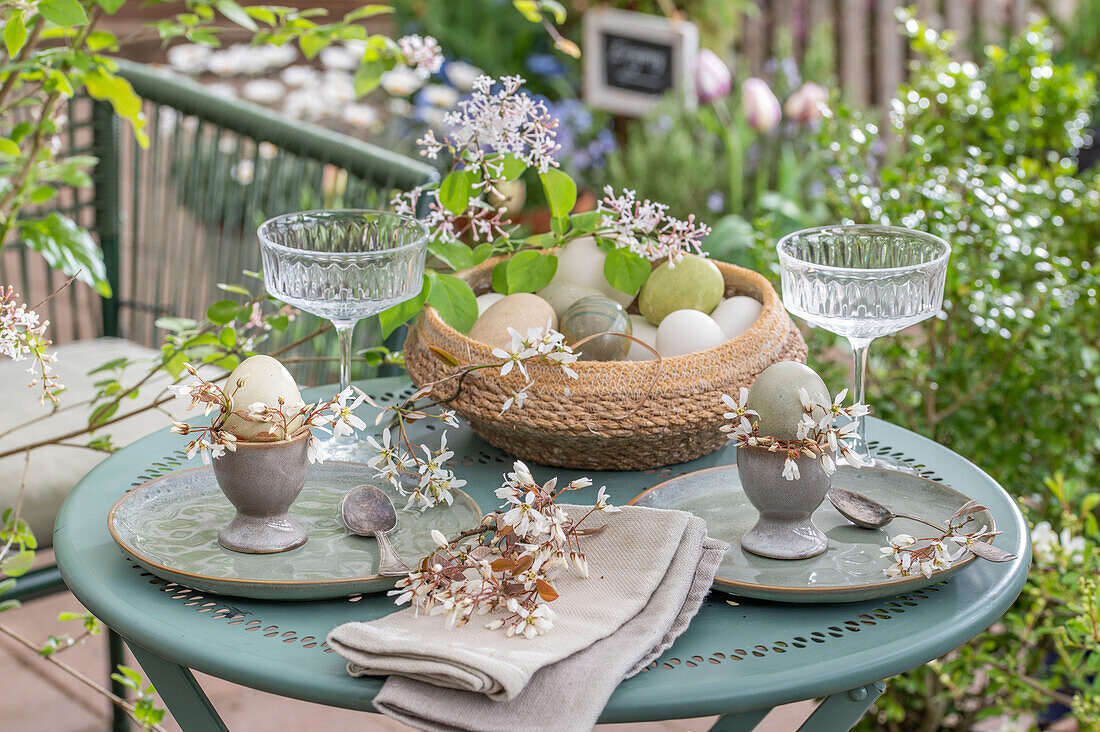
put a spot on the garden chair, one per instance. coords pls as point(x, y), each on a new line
point(173, 220)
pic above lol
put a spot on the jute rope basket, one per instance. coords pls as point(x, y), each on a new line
point(618, 415)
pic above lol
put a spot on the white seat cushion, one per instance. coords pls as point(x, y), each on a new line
point(54, 470)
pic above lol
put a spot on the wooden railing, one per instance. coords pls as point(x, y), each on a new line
point(870, 54)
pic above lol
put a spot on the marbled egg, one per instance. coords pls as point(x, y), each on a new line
point(597, 314)
point(695, 283)
point(737, 314)
point(645, 331)
point(562, 295)
point(264, 380)
point(484, 302)
point(687, 331)
point(774, 396)
point(580, 262)
point(520, 311)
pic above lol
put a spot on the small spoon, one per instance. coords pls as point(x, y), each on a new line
point(368, 511)
point(868, 513)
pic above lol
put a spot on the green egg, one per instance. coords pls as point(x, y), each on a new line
point(597, 314)
point(693, 284)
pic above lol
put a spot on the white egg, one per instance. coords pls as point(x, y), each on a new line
point(580, 262)
point(737, 314)
point(688, 331)
point(645, 331)
point(265, 380)
point(484, 302)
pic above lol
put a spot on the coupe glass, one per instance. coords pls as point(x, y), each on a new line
point(863, 282)
point(343, 265)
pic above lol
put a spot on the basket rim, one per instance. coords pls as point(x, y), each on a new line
point(771, 311)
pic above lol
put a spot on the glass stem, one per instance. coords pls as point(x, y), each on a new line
point(859, 356)
point(343, 334)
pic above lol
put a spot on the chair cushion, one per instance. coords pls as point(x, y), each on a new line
point(54, 470)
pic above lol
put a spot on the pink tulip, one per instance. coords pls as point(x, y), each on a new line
point(761, 107)
point(807, 105)
point(712, 77)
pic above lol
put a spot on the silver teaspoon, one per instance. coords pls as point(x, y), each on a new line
point(868, 513)
point(368, 511)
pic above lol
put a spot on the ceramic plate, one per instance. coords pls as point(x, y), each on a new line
point(170, 527)
point(852, 568)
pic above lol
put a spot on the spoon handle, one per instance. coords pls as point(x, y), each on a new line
point(390, 563)
point(939, 527)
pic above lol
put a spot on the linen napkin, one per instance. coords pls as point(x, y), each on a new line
point(648, 575)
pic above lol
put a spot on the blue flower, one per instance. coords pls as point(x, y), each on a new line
point(546, 65)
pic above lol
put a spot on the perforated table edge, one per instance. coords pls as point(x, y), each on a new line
point(794, 652)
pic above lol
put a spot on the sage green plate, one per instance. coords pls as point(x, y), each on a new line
point(852, 569)
point(170, 527)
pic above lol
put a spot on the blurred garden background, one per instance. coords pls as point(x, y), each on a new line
point(970, 119)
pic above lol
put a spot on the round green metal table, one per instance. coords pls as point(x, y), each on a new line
point(734, 660)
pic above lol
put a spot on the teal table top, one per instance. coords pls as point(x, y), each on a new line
point(734, 657)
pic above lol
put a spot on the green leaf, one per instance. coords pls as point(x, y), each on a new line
point(585, 223)
point(529, 9)
point(500, 277)
point(561, 192)
point(400, 313)
point(15, 33)
point(9, 605)
point(482, 252)
point(626, 270)
point(454, 299)
point(7, 586)
point(228, 336)
point(236, 13)
point(455, 254)
point(541, 240)
point(63, 12)
point(98, 40)
point(9, 148)
point(67, 247)
point(456, 189)
point(367, 11)
point(235, 289)
point(18, 564)
point(311, 44)
point(110, 6)
point(367, 77)
point(222, 312)
point(511, 167)
point(102, 413)
point(41, 194)
point(529, 271)
point(279, 322)
point(118, 91)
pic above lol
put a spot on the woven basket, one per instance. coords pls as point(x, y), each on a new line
point(618, 415)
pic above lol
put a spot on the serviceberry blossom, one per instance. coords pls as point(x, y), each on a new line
point(507, 563)
point(488, 124)
point(645, 228)
point(817, 435)
point(911, 556)
point(285, 421)
point(22, 336)
point(422, 53)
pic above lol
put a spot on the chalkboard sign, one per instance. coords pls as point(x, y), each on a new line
point(632, 59)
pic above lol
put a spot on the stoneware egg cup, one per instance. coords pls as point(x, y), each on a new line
point(784, 529)
point(262, 479)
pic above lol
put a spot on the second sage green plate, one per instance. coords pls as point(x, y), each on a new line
point(170, 527)
point(852, 569)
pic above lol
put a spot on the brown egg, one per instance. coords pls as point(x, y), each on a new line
point(520, 311)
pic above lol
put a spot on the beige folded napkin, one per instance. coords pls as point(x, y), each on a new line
point(648, 575)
